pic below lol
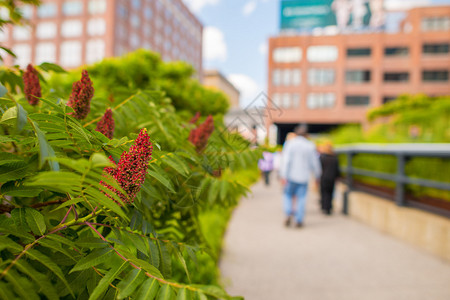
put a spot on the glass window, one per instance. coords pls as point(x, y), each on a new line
point(286, 100)
point(435, 23)
point(439, 48)
point(358, 52)
point(296, 77)
point(4, 34)
point(276, 77)
point(320, 100)
point(321, 76)
point(148, 13)
point(134, 41)
point(21, 33)
point(438, 75)
point(46, 30)
point(97, 7)
point(45, 52)
point(72, 8)
point(135, 21)
point(136, 4)
point(147, 31)
point(295, 100)
point(287, 54)
point(71, 53)
point(96, 27)
point(27, 11)
point(95, 51)
point(23, 53)
point(71, 28)
point(47, 10)
point(357, 76)
point(396, 76)
point(122, 11)
point(357, 100)
point(286, 77)
point(322, 53)
point(396, 51)
point(276, 99)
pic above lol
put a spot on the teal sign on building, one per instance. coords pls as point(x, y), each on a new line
point(304, 14)
point(309, 14)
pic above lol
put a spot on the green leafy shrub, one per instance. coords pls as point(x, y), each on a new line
point(69, 230)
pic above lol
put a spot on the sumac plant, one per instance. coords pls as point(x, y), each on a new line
point(87, 216)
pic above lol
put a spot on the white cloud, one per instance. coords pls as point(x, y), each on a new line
point(263, 48)
point(249, 7)
point(214, 46)
point(246, 85)
point(197, 5)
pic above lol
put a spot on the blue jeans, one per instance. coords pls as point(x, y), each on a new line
point(299, 190)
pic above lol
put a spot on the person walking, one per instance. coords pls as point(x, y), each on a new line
point(300, 159)
point(330, 172)
point(265, 164)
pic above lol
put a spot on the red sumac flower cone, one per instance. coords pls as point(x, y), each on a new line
point(32, 87)
point(80, 99)
point(106, 124)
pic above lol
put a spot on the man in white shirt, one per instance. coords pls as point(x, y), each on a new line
point(300, 159)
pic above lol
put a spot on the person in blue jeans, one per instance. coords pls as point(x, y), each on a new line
point(299, 160)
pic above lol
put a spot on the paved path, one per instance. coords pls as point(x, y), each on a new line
point(329, 258)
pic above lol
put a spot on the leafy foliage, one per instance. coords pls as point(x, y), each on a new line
point(65, 229)
point(408, 119)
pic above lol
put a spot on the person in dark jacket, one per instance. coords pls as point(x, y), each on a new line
point(330, 172)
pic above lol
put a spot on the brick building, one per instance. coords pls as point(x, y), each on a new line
point(325, 80)
point(76, 32)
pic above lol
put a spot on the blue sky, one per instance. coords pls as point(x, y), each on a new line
point(236, 33)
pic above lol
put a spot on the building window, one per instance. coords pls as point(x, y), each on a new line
point(436, 23)
point(322, 53)
point(96, 27)
point(71, 28)
point(45, 52)
point(136, 4)
point(286, 77)
point(320, 100)
point(387, 99)
point(47, 10)
point(287, 54)
point(72, 8)
point(396, 76)
point(4, 34)
point(295, 100)
point(23, 53)
point(134, 41)
point(71, 53)
point(359, 52)
point(296, 77)
point(46, 30)
point(95, 51)
point(276, 77)
point(396, 51)
point(148, 13)
point(441, 48)
point(441, 75)
point(122, 11)
point(276, 99)
point(27, 11)
point(147, 31)
point(21, 33)
point(321, 76)
point(286, 100)
point(357, 100)
point(135, 21)
point(97, 7)
point(357, 76)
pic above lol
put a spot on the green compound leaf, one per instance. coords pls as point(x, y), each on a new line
point(35, 221)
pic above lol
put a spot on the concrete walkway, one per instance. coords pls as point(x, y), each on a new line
point(329, 258)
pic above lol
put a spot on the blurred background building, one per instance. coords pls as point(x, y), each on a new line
point(76, 32)
point(333, 60)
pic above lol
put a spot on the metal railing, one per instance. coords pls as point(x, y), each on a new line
point(403, 152)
